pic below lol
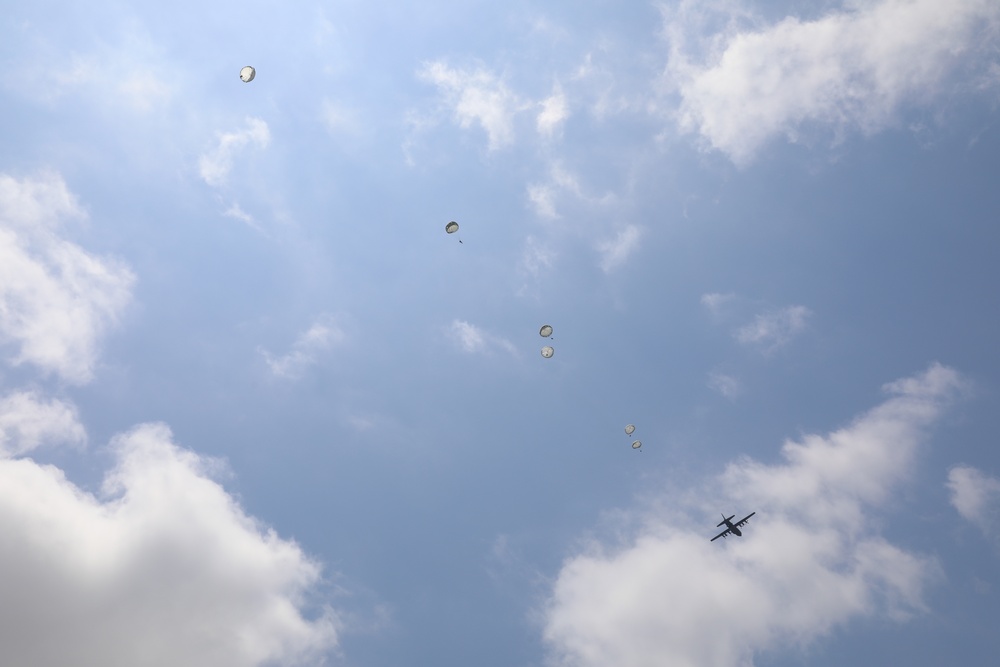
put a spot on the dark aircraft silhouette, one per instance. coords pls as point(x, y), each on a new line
point(733, 528)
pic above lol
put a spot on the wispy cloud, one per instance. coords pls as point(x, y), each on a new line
point(811, 559)
point(560, 183)
point(164, 557)
point(338, 118)
point(473, 339)
point(615, 251)
point(853, 67)
point(976, 496)
point(306, 350)
point(555, 111)
point(215, 165)
point(236, 212)
point(56, 299)
point(714, 301)
point(478, 96)
point(727, 385)
point(774, 329)
point(126, 75)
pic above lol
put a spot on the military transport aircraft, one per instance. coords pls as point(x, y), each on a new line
point(733, 528)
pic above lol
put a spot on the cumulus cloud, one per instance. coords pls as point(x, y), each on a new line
point(615, 251)
point(56, 300)
point(28, 421)
point(976, 496)
point(306, 349)
point(162, 568)
point(852, 67)
point(473, 339)
point(215, 165)
point(810, 560)
point(775, 328)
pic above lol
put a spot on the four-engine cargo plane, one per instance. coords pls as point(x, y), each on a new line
point(733, 528)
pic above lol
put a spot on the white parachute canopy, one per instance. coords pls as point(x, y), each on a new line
point(637, 444)
point(547, 351)
point(630, 429)
point(451, 228)
point(545, 331)
point(247, 74)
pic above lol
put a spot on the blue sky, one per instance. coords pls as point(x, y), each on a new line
point(257, 408)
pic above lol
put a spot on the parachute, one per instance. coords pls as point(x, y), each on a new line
point(545, 331)
point(637, 444)
point(247, 74)
point(547, 351)
point(630, 429)
point(451, 228)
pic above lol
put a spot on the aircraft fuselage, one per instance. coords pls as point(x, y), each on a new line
point(734, 529)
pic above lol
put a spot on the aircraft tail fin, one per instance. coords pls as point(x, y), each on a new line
point(724, 520)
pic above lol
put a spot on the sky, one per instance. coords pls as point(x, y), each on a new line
point(257, 408)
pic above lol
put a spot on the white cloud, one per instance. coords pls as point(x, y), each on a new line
point(727, 385)
point(543, 199)
point(144, 90)
point(163, 569)
point(468, 336)
point(615, 251)
point(478, 96)
point(472, 339)
point(236, 212)
point(215, 165)
point(536, 257)
point(775, 328)
point(56, 300)
point(554, 112)
point(714, 301)
point(339, 119)
point(126, 74)
point(976, 496)
point(306, 349)
point(853, 67)
point(28, 421)
point(543, 196)
point(810, 560)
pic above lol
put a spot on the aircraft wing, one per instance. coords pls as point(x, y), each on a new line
point(744, 519)
point(722, 534)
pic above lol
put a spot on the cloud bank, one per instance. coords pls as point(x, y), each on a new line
point(811, 559)
point(162, 568)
